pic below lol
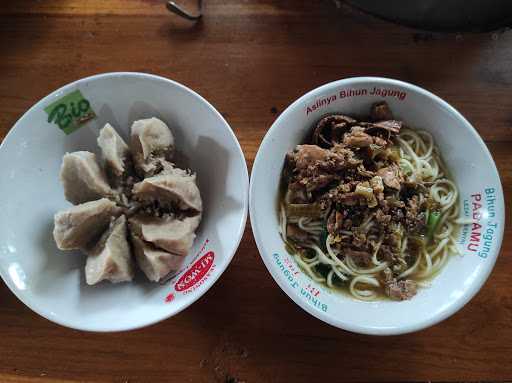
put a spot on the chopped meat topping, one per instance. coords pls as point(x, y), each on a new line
point(391, 176)
point(380, 111)
point(401, 290)
point(330, 129)
point(370, 207)
point(392, 126)
point(357, 138)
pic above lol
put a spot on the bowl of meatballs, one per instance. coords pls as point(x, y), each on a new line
point(126, 200)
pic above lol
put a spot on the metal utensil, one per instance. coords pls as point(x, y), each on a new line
point(180, 11)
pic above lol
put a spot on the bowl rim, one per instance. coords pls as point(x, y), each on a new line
point(244, 186)
point(336, 322)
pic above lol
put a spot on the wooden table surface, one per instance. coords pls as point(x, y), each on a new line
point(251, 58)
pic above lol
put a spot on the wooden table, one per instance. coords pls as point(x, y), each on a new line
point(251, 58)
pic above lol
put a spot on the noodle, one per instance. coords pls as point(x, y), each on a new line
point(420, 162)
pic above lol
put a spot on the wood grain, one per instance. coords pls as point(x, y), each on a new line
point(251, 59)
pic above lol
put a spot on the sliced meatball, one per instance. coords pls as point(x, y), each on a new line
point(151, 140)
point(170, 189)
point(115, 152)
point(171, 234)
point(83, 179)
point(79, 226)
point(110, 259)
point(154, 262)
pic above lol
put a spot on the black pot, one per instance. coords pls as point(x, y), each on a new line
point(442, 15)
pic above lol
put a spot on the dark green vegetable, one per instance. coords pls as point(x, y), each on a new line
point(433, 219)
point(309, 253)
point(322, 269)
point(337, 281)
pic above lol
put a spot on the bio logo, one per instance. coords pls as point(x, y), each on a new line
point(70, 112)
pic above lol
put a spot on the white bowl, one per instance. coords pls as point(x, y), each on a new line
point(51, 282)
point(466, 157)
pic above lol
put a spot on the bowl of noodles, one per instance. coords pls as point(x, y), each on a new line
point(386, 213)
